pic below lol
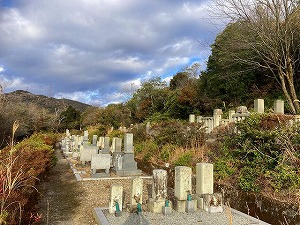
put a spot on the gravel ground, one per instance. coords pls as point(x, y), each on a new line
point(64, 201)
point(198, 217)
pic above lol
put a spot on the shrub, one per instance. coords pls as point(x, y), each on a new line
point(20, 168)
point(285, 177)
point(166, 151)
point(146, 149)
point(247, 179)
point(265, 148)
point(223, 168)
point(116, 133)
point(184, 160)
point(139, 133)
point(178, 133)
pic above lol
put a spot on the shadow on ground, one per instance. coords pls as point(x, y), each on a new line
point(135, 219)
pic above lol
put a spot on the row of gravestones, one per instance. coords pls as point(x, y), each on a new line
point(184, 201)
point(103, 158)
point(234, 116)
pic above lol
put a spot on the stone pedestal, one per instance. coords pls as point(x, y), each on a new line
point(167, 210)
point(156, 206)
point(100, 162)
point(190, 206)
point(129, 166)
point(213, 203)
point(199, 201)
point(179, 205)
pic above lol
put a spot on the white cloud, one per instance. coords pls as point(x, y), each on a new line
point(81, 47)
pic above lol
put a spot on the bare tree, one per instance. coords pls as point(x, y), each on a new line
point(272, 32)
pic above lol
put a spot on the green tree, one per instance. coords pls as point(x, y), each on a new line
point(148, 99)
point(227, 80)
point(184, 98)
point(70, 118)
point(114, 115)
point(179, 80)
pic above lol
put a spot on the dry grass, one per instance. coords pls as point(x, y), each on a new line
point(229, 213)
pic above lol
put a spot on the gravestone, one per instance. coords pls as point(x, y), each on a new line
point(128, 143)
point(259, 106)
point(106, 148)
point(63, 145)
point(279, 106)
point(86, 135)
point(113, 145)
point(136, 194)
point(118, 163)
point(208, 124)
point(204, 181)
point(191, 118)
point(94, 142)
point(183, 186)
point(68, 133)
point(217, 117)
point(230, 115)
point(100, 142)
point(199, 119)
point(159, 191)
point(116, 197)
point(117, 156)
point(129, 165)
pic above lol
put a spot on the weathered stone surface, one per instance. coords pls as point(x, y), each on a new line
point(100, 161)
point(259, 105)
point(159, 189)
point(183, 182)
point(87, 152)
point(136, 192)
point(204, 178)
point(213, 203)
point(191, 118)
point(279, 106)
point(116, 195)
point(128, 143)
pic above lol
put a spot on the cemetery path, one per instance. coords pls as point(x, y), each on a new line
point(64, 201)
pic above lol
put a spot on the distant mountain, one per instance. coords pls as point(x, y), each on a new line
point(49, 103)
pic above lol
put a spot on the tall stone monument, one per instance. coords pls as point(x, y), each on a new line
point(159, 191)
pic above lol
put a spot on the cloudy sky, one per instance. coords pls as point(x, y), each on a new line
point(96, 51)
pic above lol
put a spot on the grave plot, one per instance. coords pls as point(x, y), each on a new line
point(101, 158)
point(164, 207)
